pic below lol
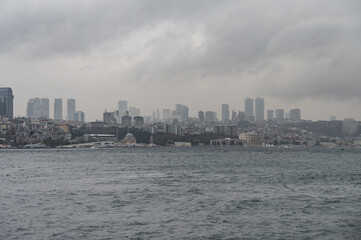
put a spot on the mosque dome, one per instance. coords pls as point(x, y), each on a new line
point(129, 135)
point(129, 138)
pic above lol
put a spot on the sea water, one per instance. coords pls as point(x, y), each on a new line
point(181, 193)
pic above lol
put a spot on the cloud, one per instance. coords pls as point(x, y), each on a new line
point(278, 49)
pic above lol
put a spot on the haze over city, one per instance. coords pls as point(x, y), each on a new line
point(155, 54)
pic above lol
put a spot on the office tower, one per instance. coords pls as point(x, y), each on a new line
point(167, 114)
point(333, 118)
point(38, 108)
point(122, 107)
point(241, 116)
point(225, 112)
point(209, 117)
point(214, 116)
point(127, 120)
point(58, 109)
point(138, 121)
point(248, 107)
point(295, 114)
point(79, 116)
point(156, 115)
point(201, 116)
point(259, 109)
point(30, 109)
point(350, 126)
point(182, 111)
point(133, 111)
point(234, 115)
point(110, 117)
point(45, 108)
point(7, 103)
point(270, 115)
point(280, 114)
point(71, 109)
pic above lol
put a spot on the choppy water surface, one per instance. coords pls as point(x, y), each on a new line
point(180, 193)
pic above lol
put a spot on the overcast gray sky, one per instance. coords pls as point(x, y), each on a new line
point(153, 53)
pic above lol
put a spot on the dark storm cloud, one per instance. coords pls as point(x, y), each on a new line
point(286, 49)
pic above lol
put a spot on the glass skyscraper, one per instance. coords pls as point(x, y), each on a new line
point(7, 103)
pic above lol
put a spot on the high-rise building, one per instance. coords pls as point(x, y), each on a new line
point(249, 106)
point(110, 117)
point(259, 109)
point(182, 111)
point(241, 116)
point(214, 116)
point(270, 115)
point(71, 109)
point(38, 108)
point(201, 116)
point(350, 126)
point(133, 111)
point(7, 103)
point(225, 112)
point(333, 118)
point(79, 116)
point(45, 108)
point(58, 109)
point(295, 114)
point(122, 107)
point(209, 117)
point(280, 114)
point(167, 114)
point(234, 115)
point(33, 109)
point(138, 121)
point(156, 115)
point(127, 120)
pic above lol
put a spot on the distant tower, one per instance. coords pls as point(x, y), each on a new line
point(45, 108)
point(259, 103)
point(295, 114)
point(167, 114)
point(280, 114)
point(249, 106)
point(122, 107)
point(6, 102)
point(201, 116)
point(225, 112)
point(58, 109)
point(182, 111)
point(34, 108)
point(270, 115)
point(79, 116)
point(71, 109)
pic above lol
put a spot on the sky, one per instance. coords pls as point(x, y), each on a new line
point(155, 54)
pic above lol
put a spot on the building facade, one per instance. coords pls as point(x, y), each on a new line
point(58, 109)
point(38, 108)
point(280, 114)
point(7, 103)
point(79, 116)
point(122, 107)
point(225, 112)
point(201, 116)
point(270, 115)
point(182, 111)
point(249, 106)
point(295, 114)
point(259, 109)
point(71, 109)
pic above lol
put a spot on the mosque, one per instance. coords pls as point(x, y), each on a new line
point(129, 139)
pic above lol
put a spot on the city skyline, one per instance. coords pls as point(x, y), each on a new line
point(37, 109)
point(254, 110)
point(156, 54)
